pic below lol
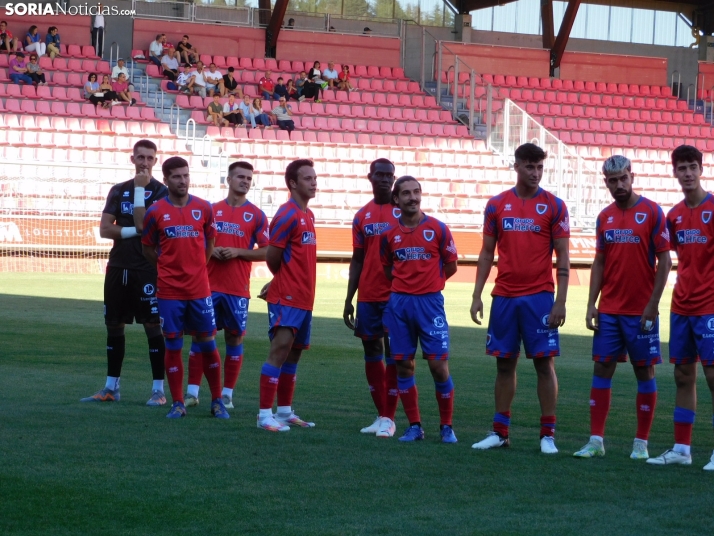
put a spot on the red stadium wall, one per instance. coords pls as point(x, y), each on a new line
point(490, 59)
point(614, 68)
point(74, 30)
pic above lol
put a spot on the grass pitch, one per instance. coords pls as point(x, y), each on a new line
point(71, 468)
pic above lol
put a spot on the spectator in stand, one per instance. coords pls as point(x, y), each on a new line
point(170, 65)
point(7, 41)
point(18, 69)
point(367, 31)
point(315, 76)
point(156, 50)
point(214, 81)
point(92, 91)
point(292, 90)
point(188, 52)
point(52, 40)
point(266, 86)
point(344, 79)
point(260, 116)
point(121, 67)
point(121, 88)
point(97, 30)
point(109, 96)
point(230, 84)
point(231, 111)
point(198, 80)
point(332, 29)
point(310, 90)
point(35, 72)
point(291, 24)
point(330, 75)
point(300, 83)
point(33, 41)
point(246, 109)
point(281, 90)
point(283, 114)
point(215, 112)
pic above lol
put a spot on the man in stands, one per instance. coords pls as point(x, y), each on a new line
point(292, 259)
point(230, 85)
point(214, 81)
point(245, 110)
point(188, 52)
point(198, 83)
point(178, 239)
point(330, 75)
point(266, 86)
point(631, 236)
point(214, 112)
point(367, 275)
point(156, 50)
point(231, 111)
point(18, 69)
point(130, 281)
point(7, 41)
point(283, 113)
point(418, 256)
point(527, 223)
point(170, 65)
point(300, 84)
point(280, 90)
point(241, 239)
point(691, 339)
point(120, 67)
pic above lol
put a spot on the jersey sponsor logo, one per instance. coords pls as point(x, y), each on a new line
point(411, 254)
point(376, 229)
point(148, 289)
point(640, 217)
point(180, 231)
point(710, 324)
point(439, 322)
point(308, 238)
point(706, 216)
point(541, 208)
point(520, 225)
point(248, 216)
point(227, 227)
point(396, 212)
point(429, 235)
point(196, 214)
point(127, 207)
point(621, 236)
point(690, 236)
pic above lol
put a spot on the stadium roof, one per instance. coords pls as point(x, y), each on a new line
point(465, 6)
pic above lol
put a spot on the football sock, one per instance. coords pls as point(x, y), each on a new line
point(392, 390)
point(269, 377)
point(195, 369)
point(375, 372)
point(501, 422)
point(112, 383)
point(600, 396)
point(157, 348)
point(158, 385)
point(231, 367)
point(211, 367)
point(646, 402)
point(286, 384)
point(547, 426)
point(173, 361)
point(115, 355)
point(683, 423)
point(445, 399)
point(410, 399)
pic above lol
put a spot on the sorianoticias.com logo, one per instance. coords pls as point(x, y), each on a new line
point(61, 8)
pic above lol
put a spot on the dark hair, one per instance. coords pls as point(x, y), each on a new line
point(316, 63)
point(51, 29)
point(175, 162)
point(291, 172)
point(95, 75)
point(380, 161)
point(185, 36)
point(530, 152)
point(3, 22)
point(231, 69)
point(280, 78)
point(240, 164)
point(157, 36)
point(397, 186)
point(32, 29)
point(146, 144)
point(686, 153)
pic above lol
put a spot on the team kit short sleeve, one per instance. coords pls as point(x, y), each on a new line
point(293, 231)
point(236, 227)
point(370, 223)
point(126, 253)
point(691, 233)
point(418, 256)
point(525, 230)
point(179, 235)
point(630, 241)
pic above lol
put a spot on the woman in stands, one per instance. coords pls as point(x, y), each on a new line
point(35, 72)
point(33, 43)
point(292, 90)
point(257, 111)
point(315, 76)
point(92, 90)
point(52, 40)
point(344, 79)
point(110, 96)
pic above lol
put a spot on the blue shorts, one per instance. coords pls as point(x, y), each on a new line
point(231, 313)
point(522, 318)
point(300, 320)
point(368, 324)
point(194, 317)
point(620, 335)
point(691, 339)
point(409, 318)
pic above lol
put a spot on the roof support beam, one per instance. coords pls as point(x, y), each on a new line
point(546, 15)
point(556, 53)
point(273, 29)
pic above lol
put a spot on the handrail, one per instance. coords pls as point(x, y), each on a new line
point(190, 122)
point(690, 86)
point(111, 53)
point(679, 83)
point(176, 107)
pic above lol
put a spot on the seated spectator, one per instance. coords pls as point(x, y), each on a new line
point(188, 52)
point(92, 91)
point(121, 88)
point(366, 31)
point(332, 29)
point(18, 69)
point(246, 108)
point(344, 79)
point(260, 116)
point(35, 72)
point(52, 40)
point(214, 80)
point(330, 75)
point(109, 97)
point(170, 66)
point(230, 84)
point(281, 90)
point(283, 114)
point(315, 76)
point(198, 80)
point(310, 90)
point(215, 112)
point(121, 67)
point(7, 41)
point(291, 24)
point(33, 42)
point(266, 86)
point(300, 83)
point(292, 90)
point(231, 111)
point(156, 50)
point(182, 82)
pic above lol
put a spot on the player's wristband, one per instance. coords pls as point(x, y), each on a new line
point(139, 197)
point(129, 232)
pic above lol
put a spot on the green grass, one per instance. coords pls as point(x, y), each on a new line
point(71, 468)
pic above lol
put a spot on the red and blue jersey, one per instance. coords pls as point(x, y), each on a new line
point(370, 223)
point(525, 230)
point(179, 235)
point(417, 256)
point(630, 240)
point(293, 230)
point(236, 227)
point(691, 232)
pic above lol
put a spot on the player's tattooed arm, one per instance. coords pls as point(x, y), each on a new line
point(563, 272)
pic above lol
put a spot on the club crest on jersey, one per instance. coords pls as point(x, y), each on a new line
point(710, 324)
point(148, 289)
point(196, 214)
point(706, 216)
point(147, 194)
point(209, 301)
point(544, 320)
point(242, 303)
point(439, 322)
point(248, 216)
point(396, 212)
point(429, 235)
point(541, 208)
point(640, 217)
